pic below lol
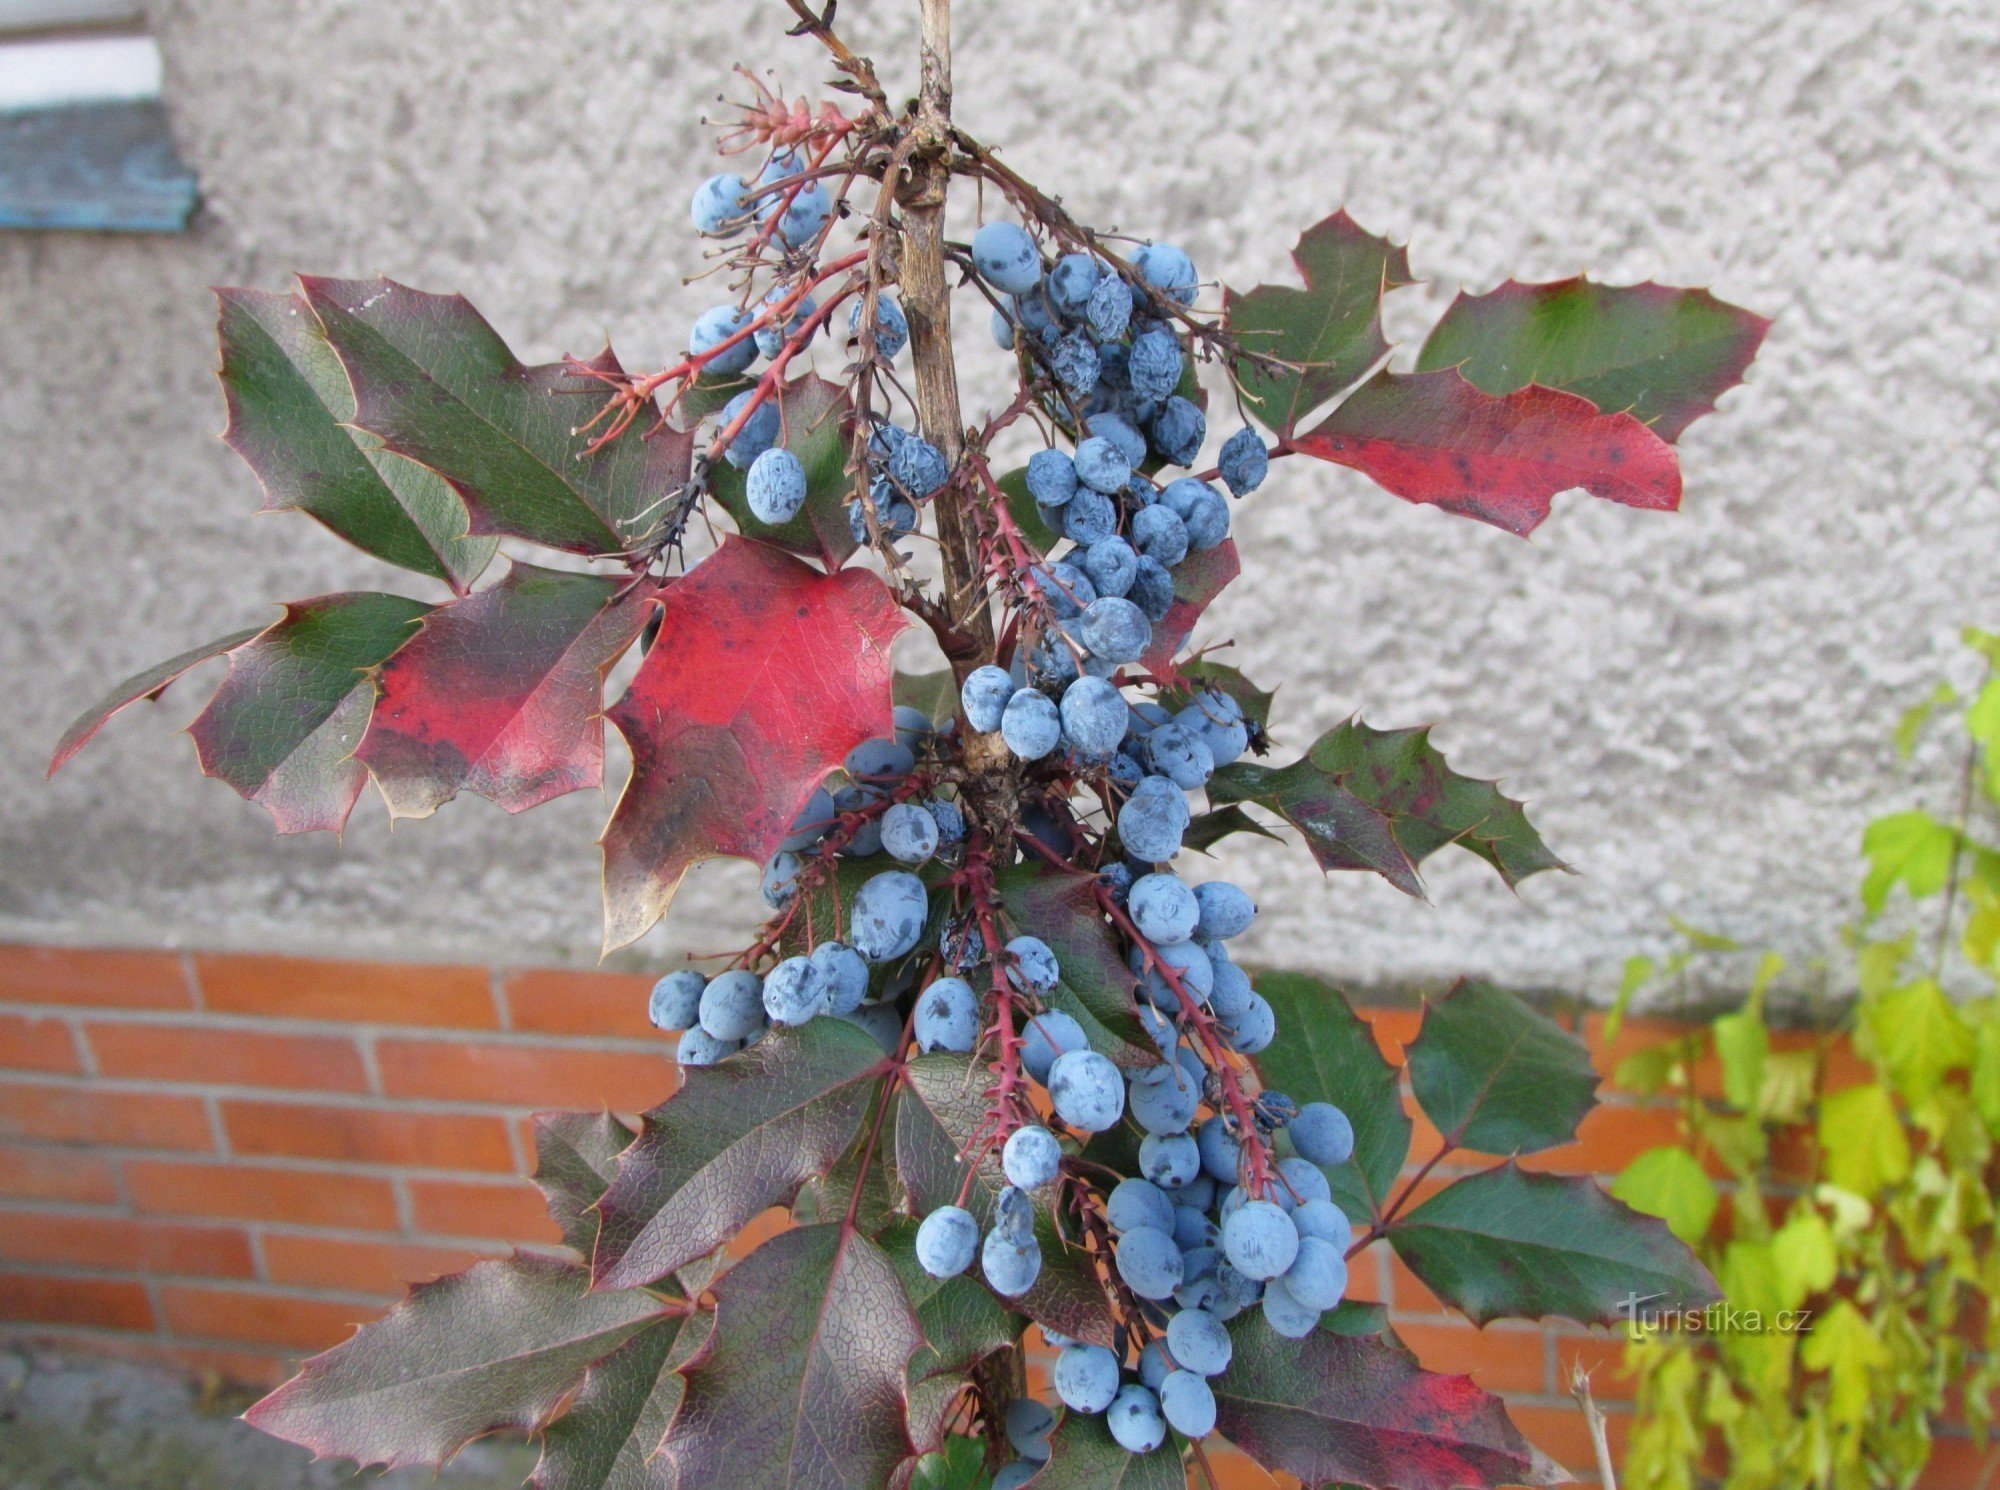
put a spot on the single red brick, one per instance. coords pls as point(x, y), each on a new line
point(121, 1244)
point(1611, 1136)
point(44, 1043)
point(509, 1212)
point(343, 1265)
point(89, 1114)
point(29, 1172)
point(44, 1298)
point(359, 992)
point(1498, 1358)
point(69, 975)
point(259, 1316)
point(562, 1001)
point(227, 1057)
point(524, 1075)
point(259, 1193)
point(1956, 1463)
point(368, 1135)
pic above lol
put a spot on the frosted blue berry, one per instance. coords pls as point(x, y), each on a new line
point(1135, 1421)
point(775, 487)
point(1190, 965)
point(1218, 719)
point(1152, 590)
point(1071, 282)
point(1187, 1403)
point(1259, 1240)
point(1031, 1157)
point(759, 432)
point(1149, 1262)
point(1047, 1035)
point(879, 759)
point(1164, 908)
point(718, 206)
point(1286, 1315)
point(918, 468)
point(1086, 1090)
point(1115, 629)
point(1155, 364)
point(1016, 1475)
point(1322, 1133)
point(1030, 725)
point(1086, 1378)
point(888, 915)
point(1244, 461)
point(780, 885)
point(1002, 326)
point(909, 833)
point(1110, 308)
point(711, 329)
point(1317, 1277)
point(698, 1047)
point(772, 335)
point(1168, 270)
point(1111, 564)
point(1198, 1343)
point(1093, 717)
point(1029, 1424)
point(1232, 992)
point(1139, 1205)
point(1051, 477)
point(1220, 1152)
point(1073, 359)
point(794, 992)
point(949, 817)
point(1165, 1104)
point(732, 1006)
point(946, 1241)
point(1065, 587)
point(1207, 520)
point(1170, 1161)
point(1299, 1181)
point(812, 822)
point(1226, 911)
point(1193, 1230)
point(1179, 755)
point(1176, 431)
point(806, 215)
point(892, 327)
point(846, 973)
point(1151, 822)
point(947, 1017)
point(1326, 1221)
point(1102, 466)
point(1011, 1267)
point(1006, 257)
point(983, 696)
point(913, 726)
point(1255, 1028)
point(1120, 432)
point(1014, 1214)
point(1091, 517)
point(1154, 1364)
point(676, 1000)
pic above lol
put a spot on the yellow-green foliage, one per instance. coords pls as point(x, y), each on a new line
point(1868, 1203)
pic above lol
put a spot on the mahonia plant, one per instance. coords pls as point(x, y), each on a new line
point(991, 1049)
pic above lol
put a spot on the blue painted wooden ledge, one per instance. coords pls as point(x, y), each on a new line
point(105, 167)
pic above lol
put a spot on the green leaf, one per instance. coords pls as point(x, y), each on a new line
point(935, 694)
point(1638, 973)
point(959, 1465)
point(498, 1346)
point(1340, 1409)
point(1498, 1077)
point(1986, 1077)
point(291, 417)
point(1982, 722)
point(1084, 1456)
point(1330, 332)
point(1804, 1255)
point(435, 383)
point(1844, 1344)
point(1355, 1317)
point(606, 1440)
point(576, 1158)
point(962, 1323)
point(1386, 800)
point(800, 1384)
point(1508, 1244)
point(1671, 1184)
point(283, 727)
point(1648, 1071)
point(1210, 828)
point(148, 683)
point(1911, 849)
point(1914, 718)
point(1742, 1043)
point(1862, 1143)
point(1917, 1037)
point(1096, 989)
point(815, 418)
point(740, 1136)
point(1662, 354)
point(941, 1110)
point(1329, 1054)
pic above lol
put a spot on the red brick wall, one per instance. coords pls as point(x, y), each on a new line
point(225, 1161)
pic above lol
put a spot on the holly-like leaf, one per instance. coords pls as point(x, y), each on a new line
point(1498, 1077)
point(502, 693)
point(576, 1158)
point(291, 417)
point(1507, 1244)
point(1084, 1456)
point(800, 1385)
point(436, 383)
point(1434, 438)
point(148, 683)
point(283, 727)
point(1198, 579)
point(962, 1323)
point(1330, 331)
point(814, 419)
point(1096, 988)
point(1357, 1409)
point(498, 1346)
point(765, 674)
point(941, 1109)
point(1329, 1054)
point(739, 1136)
point(607, 1438)
point(1385, 800)
point(1210, 828)
point(1661, 354)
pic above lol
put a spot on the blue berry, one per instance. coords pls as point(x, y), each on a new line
point(1193, 1231)
point(1207, 522)
point(1149, 1262)
point(892, 327)
point(1016, 1474)
point(866, 840)
point(846, 973)
point(909, 833)
point(888, 915)
point(1191, 966)
point(913, 726)
point(1226, 911)
point(1218, 719)
point(1135, 1421)
point(879, 759)
point(1220, 1152)
point(1086, 1090)
point(946, 1241)
point(1259, 1240)
point(1177, 430)
point(1115, 629)
point(1165, 1104)
point(1090, 518)
point(698, 1047)
point(1011, 1267)
point(1136, 1204)
point(1047, 1035)
point(1322, 1134)
point(1326, 1221)
point(795, 992)
point(1317, 1277)
point(1299, 1181)
point(772, 335)
point(780, 885)
point(1051, 478)
point(1253, 1029)
point(676, 1000)
point(1244, 461)
point(1188, 1403)
point(1030, 725)
point(1152, 589)
point(1168, 270)
point(1164, 908)
point(1231, 994)
point(1102, 466)
point(811, 823)
point(711, 329)
point(1171, 1160)
point(732, 1006)
point(1111, 564)
point(949, 817)
point(1071, 282)
point(895, 516)
point(1120, 432)
point(1066, 588)
point(1198, 1343)
point(1151, 822)
point(775, 487)
point(1002, 326)
point(1014, 1214)
point(759, 432)
point(1006, 257)
point(1155, 364)
point(1073, 359)
point(1179, 755)
point(806, 215)
point(1086, 1378)
point(1030, 1157)
point(1093, 717)
point(1110, 308)
point(718, 206)
point(918, 468)
point(1286, 1315)
point(947, 1017)
point(983, 696)
point(1029, 1424)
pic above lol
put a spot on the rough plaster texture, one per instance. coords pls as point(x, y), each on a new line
point(1696, 704)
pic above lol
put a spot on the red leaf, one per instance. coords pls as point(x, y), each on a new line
point(502, 694)
point(1435, 438)
point(151, 683)
point(766, 673)
point(1197, 581)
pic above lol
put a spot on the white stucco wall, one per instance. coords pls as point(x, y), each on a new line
point(1696, 704)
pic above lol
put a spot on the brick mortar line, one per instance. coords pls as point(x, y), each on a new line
point(271, 1024)
point(132, 1086)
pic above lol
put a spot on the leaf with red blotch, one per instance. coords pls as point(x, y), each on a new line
point(1435, 438)
point(502, 693)
point(1661, 354)
point(1358, 1410)
point(436, 383)
point(501, 1345)
point(149, 683)
point(283, 726)
point(800, 1385)
point(814, 417)
point(1330, 332)
point(1198, 579)
point(765, 674)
